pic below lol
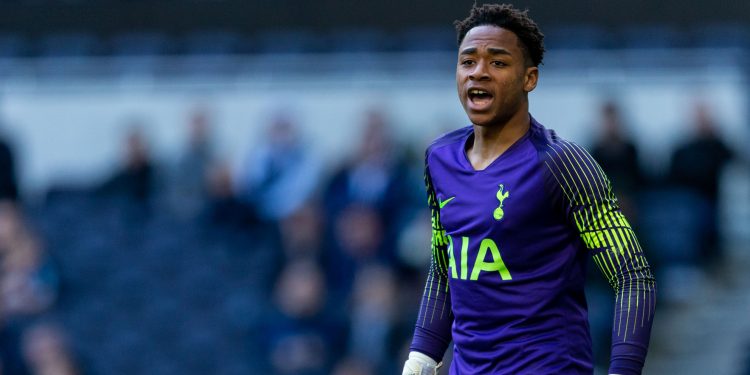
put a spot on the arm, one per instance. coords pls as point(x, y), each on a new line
point(592, 209)
point(432, 333)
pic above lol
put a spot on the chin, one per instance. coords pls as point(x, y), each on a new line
point(482, 120)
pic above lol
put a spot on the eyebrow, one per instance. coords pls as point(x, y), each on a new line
point(491, 50)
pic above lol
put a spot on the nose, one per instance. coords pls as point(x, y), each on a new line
point(479, 73)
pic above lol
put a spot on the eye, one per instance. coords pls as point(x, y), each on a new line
point(467, 62)
point(499, 63)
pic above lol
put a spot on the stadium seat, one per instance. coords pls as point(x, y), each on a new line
point(359, 40)
point(13, 45)
point(287, 41)
point(722, 36)
point(424, 39)
point(212, 42)
point(576, 37)
point(141, 44)
point(651, 37)
point(672, 225)
point(69, 44)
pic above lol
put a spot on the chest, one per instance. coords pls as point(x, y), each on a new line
point(507, 197)
point(500, 222)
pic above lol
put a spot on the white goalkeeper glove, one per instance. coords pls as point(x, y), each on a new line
point(420, 364)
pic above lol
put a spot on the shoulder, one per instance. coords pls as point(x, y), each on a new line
point(452, 138)
point(547, 141)
point(569, 165)
point(553, 148)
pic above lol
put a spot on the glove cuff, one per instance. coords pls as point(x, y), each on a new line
point(422, 358)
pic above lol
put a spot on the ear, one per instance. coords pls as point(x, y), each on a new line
point(530, 78)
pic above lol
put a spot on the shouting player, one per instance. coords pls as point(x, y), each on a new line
point(516, 213)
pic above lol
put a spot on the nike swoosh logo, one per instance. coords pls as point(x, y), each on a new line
point(443, 203)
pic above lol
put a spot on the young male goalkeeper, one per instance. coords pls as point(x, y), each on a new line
point(516, 213)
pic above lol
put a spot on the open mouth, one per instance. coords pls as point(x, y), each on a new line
point(479, 97)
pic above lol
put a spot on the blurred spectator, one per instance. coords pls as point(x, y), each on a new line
point(357, 242)
point(302, 233)
point(8, 183)
point(28, 284)
point(359, 233)
point(134, 180)
point(189, 190)
point(618, 156)
point(28, 281)
point(224, 208)
point(414, 242)
point(696, 166)
point(372, 317)
point(353, 366)
point(374, 177)
point(302, 334)
point(280, 173)
point(47, 352)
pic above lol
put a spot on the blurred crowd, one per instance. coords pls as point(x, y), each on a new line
point(283, 263)
point(675, 212)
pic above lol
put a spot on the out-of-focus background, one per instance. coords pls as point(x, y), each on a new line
point(235, 187)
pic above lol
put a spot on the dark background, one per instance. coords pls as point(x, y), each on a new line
point(111, 16)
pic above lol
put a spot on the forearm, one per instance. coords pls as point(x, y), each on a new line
point(633, 316)
point(432, 332)
point(620, 258)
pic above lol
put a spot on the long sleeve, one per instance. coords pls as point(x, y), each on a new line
point(592, 209)
point(432, 333)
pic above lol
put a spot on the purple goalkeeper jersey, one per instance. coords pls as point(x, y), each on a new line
point(509, 250)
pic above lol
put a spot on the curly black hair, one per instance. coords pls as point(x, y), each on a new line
point(509, 18)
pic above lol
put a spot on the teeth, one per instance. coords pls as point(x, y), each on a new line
point(477, 92)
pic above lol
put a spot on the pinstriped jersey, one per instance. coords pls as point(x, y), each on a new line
point(509, 251)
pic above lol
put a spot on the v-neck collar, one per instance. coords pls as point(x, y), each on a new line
point(465, 157)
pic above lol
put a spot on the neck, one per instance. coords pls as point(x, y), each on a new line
point(492, 141)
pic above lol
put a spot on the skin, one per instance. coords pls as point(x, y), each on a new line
point(491, 58)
